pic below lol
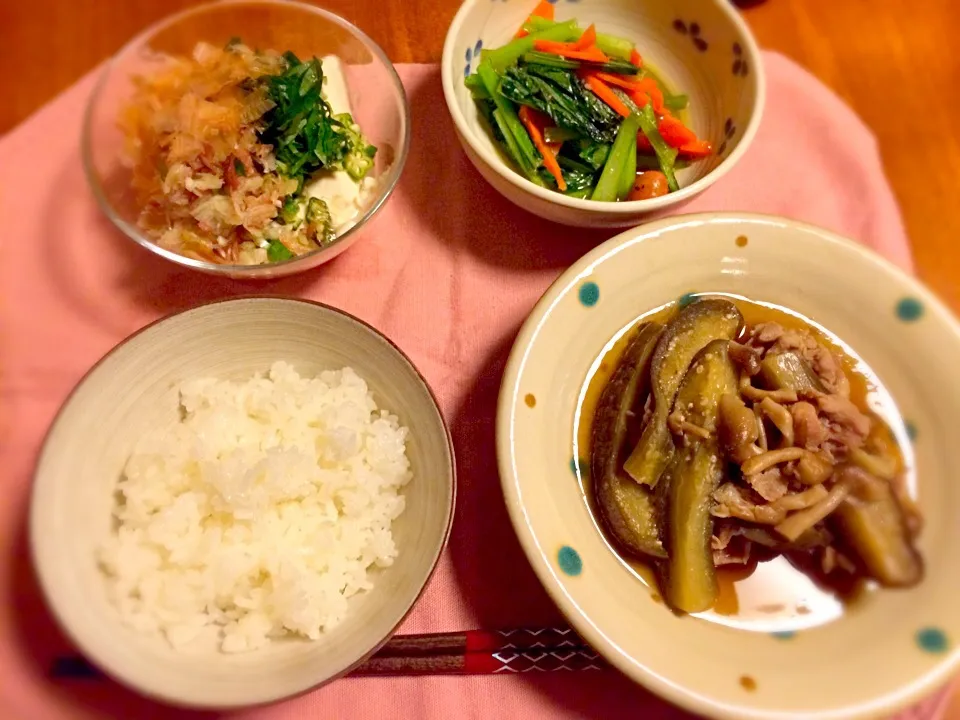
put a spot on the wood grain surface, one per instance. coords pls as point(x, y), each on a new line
point(893, 61)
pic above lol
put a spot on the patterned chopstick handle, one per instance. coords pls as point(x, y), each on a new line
point(522, 639)
point(508, 662)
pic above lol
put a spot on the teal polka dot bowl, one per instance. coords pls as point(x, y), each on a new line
point(895, 647)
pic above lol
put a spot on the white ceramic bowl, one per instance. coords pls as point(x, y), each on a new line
point(134, 388)
point(701, 47)
point(888, 651)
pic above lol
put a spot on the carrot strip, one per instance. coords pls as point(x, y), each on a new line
point(620, 81)
point(535, 122)
point(697, 149)
point(544, 10)
point(639, 98)
point(635, 58)
point(650, 87)
point(588, 39)
point(603, 91)
point(567, 50)
point(675, 133)
point(641, 91)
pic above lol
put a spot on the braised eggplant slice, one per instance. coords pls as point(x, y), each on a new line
point(876, 530)
point(626, 508)
point(689, 576)
point(788, 371)
point(690, 331)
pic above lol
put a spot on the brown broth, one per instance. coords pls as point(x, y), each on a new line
point(770, 596)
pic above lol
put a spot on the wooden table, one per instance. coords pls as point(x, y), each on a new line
point(893, 61)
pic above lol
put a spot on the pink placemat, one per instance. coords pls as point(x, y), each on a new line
point(448, 270)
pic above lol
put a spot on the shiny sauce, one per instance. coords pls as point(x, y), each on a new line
point(774, 595)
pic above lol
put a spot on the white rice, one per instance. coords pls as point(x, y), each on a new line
point(260, 512)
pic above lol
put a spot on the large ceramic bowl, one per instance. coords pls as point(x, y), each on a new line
point(133, 389)
point(700, 47)
point(376, 97)
point(891, 647)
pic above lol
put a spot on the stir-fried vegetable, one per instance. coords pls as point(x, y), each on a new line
point(582, 86)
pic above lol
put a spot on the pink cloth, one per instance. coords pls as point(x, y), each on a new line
point(448, 270)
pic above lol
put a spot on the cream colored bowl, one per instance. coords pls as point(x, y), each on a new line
point(133, 389)
point(700, 47)
point(887, 651)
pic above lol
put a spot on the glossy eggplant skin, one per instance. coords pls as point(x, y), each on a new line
point(691, 330)
point(626, 508)
point(688, 576)
point(788, 371)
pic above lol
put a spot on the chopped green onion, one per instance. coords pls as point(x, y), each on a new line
point(277, 251)
point(239, 168)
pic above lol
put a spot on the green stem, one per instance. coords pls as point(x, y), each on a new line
point(609, 185)
point(666, 155)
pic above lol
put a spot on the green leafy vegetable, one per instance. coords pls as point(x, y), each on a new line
point(506, 116)
point(476, 87)
point(609, 44)
point(555, 134)
point(502, 58)
point(306, 136)
point(563, 96)
point(618, 67)
point(239, 168)
point(594, 154)
point(675, 102)
point(666, 155)
point(277, 251)
point(628, 175)
point(609, 185)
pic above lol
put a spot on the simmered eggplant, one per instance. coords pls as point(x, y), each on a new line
point(788, 371)
point(875, 529)
point(626, 508)
point(689, 577)
point(692, 329)
point(719, 445)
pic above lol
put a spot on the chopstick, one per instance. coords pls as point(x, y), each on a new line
point(473, 652)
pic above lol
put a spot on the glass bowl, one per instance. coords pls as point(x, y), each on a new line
point(376, 95)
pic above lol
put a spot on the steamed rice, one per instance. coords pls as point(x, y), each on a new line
point(260, 512)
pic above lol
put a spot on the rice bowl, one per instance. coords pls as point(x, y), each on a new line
point(136, 389)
